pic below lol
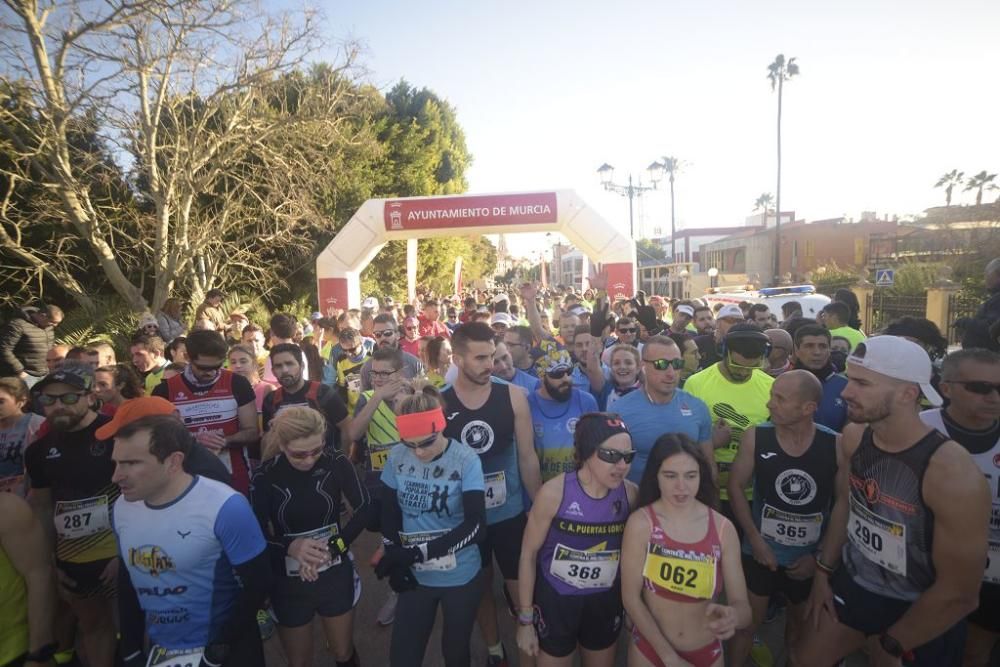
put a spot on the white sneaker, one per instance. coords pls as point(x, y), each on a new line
point(387, 614)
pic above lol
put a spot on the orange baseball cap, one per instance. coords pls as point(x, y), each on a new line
point(133, 409)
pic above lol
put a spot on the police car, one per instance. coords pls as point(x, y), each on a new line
point(773, 297)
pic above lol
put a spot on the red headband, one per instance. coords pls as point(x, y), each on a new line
point(420, 423)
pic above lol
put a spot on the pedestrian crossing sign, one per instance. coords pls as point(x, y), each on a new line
point(884, 277)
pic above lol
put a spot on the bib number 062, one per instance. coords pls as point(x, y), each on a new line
point(678, 575)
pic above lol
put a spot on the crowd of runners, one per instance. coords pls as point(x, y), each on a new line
point(653, 468)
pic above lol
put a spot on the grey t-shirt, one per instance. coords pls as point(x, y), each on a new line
point(412, 367)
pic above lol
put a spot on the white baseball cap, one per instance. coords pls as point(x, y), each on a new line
point(370, 302)
point(897, 358)
point(729, 310)
point(686, 309)
point(502, 296)
point(502, 318)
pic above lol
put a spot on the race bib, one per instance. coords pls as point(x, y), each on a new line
point(684, 576)
point(293, 566)
point(446, 562)
point(354, 384)
point(496, 489)
point(584, 569)
point(161, 657)
point(789, 529)
point(379, 454)
point(81, 518)
point(881, 541)
point(992, 573)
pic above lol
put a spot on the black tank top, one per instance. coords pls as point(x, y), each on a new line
point(890, 530)
point(489, 430)
point(792, 494)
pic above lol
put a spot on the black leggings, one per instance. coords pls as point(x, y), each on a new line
point(416, 612)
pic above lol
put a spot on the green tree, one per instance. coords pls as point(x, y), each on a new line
point(646, 249)
point(778, 72)
point(948, 182)
point(978, 183)
point(763, 205)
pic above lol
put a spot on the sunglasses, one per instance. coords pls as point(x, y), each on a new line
point(423, 444)
point(558, 374)
point(975, 386)
point(300, 456)
point(353, 351)
point(664, 364)
point(385, 333)
point(66, 399)
point(383, 374)
point(207, 367)
point(613, 456)
point(628, 330)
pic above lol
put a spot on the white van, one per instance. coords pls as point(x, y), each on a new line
point(773, 297)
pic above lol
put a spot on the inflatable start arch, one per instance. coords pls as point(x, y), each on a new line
point(339, 266)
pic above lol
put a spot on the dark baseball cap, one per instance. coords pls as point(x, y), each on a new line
point(77, 376)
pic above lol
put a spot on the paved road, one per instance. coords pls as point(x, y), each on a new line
point(372, 641)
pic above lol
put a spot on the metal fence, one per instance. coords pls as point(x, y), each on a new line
point(883, 307)
point(959, 306)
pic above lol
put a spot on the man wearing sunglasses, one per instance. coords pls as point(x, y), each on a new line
point(386, 334)
point(659, 407)
point(736, 391)
point(556, 406)
point(72, 493)
point(218, 407)
point(970, 380)
point(710, 344)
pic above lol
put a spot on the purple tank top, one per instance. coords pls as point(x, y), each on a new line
point(582, 550)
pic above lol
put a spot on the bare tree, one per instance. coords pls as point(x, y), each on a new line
point(193, 99)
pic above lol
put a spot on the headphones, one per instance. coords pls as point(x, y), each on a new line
point(749, 335)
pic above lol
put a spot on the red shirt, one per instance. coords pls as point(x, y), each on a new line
point(432, 328)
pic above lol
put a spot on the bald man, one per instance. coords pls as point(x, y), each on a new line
point(781, 349)
point(794, 464)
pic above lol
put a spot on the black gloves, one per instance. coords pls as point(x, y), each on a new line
point(395, 564)
point(599, 319)
point(645, 314)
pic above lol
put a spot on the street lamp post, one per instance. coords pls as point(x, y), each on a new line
point(713, 275)
point(631, 191)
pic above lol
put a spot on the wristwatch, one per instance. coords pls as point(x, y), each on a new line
point(891, 645)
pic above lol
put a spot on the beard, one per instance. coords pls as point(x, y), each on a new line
point(558, 392)
point(289, 381)
point(65, 422)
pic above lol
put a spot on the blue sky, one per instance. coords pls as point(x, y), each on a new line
point(892, 94)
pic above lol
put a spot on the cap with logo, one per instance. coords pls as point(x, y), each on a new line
point(316, 316)
point(554, 359)
point(77, 376)
point(897, 358)
point(133, 409)
point(370, 302)
point(729, 310)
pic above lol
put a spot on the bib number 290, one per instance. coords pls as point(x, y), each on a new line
point(867, 536)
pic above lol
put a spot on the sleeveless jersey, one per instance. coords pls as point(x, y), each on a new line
point(792, 494)
point(214, 410)
point(180, 559)
point(382, 435)
point(554, 424)
point(890, 529)
point(682, 571)
point(13, 612)
point(13, 442)
point(989, 462)
point(582, 549)
point(489, 431)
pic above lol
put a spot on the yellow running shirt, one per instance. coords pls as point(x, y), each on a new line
point(853, 335)
point(13, 612)
point(742, 406)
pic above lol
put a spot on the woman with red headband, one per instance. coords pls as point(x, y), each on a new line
point(568, 576)
point(433, 515)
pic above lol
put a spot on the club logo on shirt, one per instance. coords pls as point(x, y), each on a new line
point(574, 509)
point(478, 435)
point(53, 453)
point(571, 424)
point(98, 448)
point(795, 487)
point(151, 559)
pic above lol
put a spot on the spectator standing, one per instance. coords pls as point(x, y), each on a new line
point(25, 340)
point(169, 320)
point(209, 310)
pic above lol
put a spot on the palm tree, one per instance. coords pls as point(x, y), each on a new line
point(778, 72)
point(948, 182)
point(763, 204)
point(671, 166)
point(978, 182)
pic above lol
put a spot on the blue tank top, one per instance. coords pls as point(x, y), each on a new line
point(489, 431)
point(582, 549)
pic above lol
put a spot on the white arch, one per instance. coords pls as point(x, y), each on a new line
point(339, 266)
